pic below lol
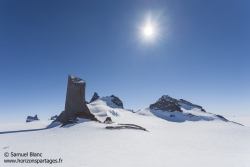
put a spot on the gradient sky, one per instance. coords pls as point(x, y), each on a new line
point(201, 54)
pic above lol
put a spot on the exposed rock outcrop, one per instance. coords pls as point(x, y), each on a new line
point(222, 118)
point(112, 101)
point(117, 101)
point(126, 126)
point(166, 103)
point(75, 105)
point(94, 97)
point(30, 118)
point(108, 120)
point(54, 117)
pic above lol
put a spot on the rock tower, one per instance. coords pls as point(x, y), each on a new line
point(75, 105)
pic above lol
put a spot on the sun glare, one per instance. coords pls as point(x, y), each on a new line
point(152, 28)
point(148, 31)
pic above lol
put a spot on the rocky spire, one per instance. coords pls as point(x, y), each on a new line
point(94, 97)
point(75, 105)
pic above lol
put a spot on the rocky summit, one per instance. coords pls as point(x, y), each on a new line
point(94, 97)
point(30, 118)
point(167, 103)
point(75, 105)
point(108, 120)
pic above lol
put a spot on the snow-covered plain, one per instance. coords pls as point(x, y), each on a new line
point(24, 126)
point(244, 120)
point(188, 143)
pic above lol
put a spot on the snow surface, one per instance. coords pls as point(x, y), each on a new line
point(24, 126)
point(244, 120)
point(175, 144)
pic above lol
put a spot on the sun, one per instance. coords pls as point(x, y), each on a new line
point(148, 31)
point(153, 28)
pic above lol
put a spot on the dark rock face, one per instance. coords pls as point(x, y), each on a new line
point(94, 97)
point(166, 103)
point(75, 105)
point(53, 117)
point(30, 118)
point(117, 101)
point(203, 110)
point(222, 118)
point(108, 120)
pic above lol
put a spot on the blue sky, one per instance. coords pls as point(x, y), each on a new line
point(201, 53)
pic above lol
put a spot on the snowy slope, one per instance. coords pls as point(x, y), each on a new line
point(184, 144)
point(104, 107)
point(174, 110)
point(192, 114)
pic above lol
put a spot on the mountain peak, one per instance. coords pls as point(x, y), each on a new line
point(94, 97)
point(167, 103)
point(168, 98)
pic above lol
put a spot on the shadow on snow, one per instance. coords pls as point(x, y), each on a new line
point(52, 125)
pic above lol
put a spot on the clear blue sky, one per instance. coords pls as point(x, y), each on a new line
point(201, 54)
